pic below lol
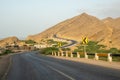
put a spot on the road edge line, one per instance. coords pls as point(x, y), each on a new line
point(60, 72)
point(6, 73)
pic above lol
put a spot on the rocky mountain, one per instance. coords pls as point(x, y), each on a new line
point(105, 31)
point(114, 24)
point(8, 41)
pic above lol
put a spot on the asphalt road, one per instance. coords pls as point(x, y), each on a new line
point(30, 66)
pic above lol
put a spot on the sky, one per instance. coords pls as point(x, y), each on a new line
point(28, 17)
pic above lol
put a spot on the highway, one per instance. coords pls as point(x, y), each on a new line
point(31, 66)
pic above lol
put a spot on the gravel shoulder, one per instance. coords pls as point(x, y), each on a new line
point(114, 65)
point(4, 64)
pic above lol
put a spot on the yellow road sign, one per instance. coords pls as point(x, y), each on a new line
point(84, 40)
point(59, 44)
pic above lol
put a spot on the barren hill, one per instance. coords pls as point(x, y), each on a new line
point(84, 25)
point(114, 24)
point(9, 40)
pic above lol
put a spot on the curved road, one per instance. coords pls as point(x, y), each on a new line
point(31, 66)
point(73, 42)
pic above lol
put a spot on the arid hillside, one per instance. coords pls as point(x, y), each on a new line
point(8, 41)
point(106, 31)
point(114, 25)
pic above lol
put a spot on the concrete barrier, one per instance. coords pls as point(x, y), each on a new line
point(55, 53)
point(86, 56)
point(109, 58)
point(52, 53)
point(62, 53)
point(71, 54)
point(66, 53)
point(78, 55)
point(96, 56)
point(58, 53)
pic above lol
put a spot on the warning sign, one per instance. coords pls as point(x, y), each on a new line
point(84, 40)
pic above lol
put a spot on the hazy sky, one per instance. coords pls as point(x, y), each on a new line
point(26, 17)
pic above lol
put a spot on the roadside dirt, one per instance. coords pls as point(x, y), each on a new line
point(114, 65)
point(4, 64)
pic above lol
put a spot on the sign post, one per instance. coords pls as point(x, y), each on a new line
point(59, 47)
point(85, 41)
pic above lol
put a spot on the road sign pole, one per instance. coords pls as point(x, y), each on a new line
point(85, 53)
point(85, 41)
point(85, 49)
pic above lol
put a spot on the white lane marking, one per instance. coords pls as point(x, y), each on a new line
point(60, 72)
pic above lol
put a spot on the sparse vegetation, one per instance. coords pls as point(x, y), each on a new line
point(114, 51)
point(66, 49)
point(91, 47)
point(49, 50)
point(56, 43)
point(32, 42)
point(7, 51)
point(94, 47)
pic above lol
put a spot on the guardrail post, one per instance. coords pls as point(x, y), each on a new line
point(71, 54)
point(55, 54)
point(62, 53)
point(86, 56)
point(96, 56)
point(58, 53)
point(66, 53)
point(52, 53)
point(78, 55)
point(109, 58)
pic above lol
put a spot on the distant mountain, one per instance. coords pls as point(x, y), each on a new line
point(114, 24)
point(108, 20)
point(8, 41)
point(105, 31)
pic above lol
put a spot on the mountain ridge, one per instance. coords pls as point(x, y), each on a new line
point(85, 25)
point(8, 41)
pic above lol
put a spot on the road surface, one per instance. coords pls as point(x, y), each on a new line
point(31, 66)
